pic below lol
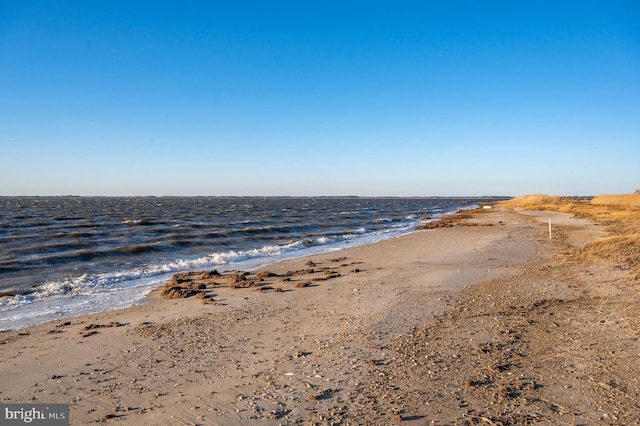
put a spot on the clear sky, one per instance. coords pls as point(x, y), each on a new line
point(319, 97)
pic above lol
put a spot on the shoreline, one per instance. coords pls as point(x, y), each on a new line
point(415, 328)
point(259, 264)
point(153, 297)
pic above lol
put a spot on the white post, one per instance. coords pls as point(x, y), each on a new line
point(549, 228)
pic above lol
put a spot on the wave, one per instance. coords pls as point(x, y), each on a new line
point(141, 222)
point(74, 234)
point(83, 254)
point(261, 229)
point(55, 247)
point(383, 220)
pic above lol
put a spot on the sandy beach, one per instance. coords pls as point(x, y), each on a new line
point(486, 321)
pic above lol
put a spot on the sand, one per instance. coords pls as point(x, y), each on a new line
point(486, 321)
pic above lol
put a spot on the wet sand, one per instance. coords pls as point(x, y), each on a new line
point(486, 321)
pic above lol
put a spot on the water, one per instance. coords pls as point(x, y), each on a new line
point(67, 256)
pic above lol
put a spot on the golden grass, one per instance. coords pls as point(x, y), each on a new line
point(624, 249)
point(532, 200)
point(543, 202)
point(620, 213)
point(630, 200)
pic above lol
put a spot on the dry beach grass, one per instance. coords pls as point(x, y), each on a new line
point(490, 324)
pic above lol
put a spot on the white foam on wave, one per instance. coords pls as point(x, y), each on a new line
point(383, 220)
point(75, 304)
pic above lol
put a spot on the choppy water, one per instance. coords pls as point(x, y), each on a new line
point(64, 256)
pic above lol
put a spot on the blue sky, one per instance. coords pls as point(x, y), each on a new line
point(319, 98)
